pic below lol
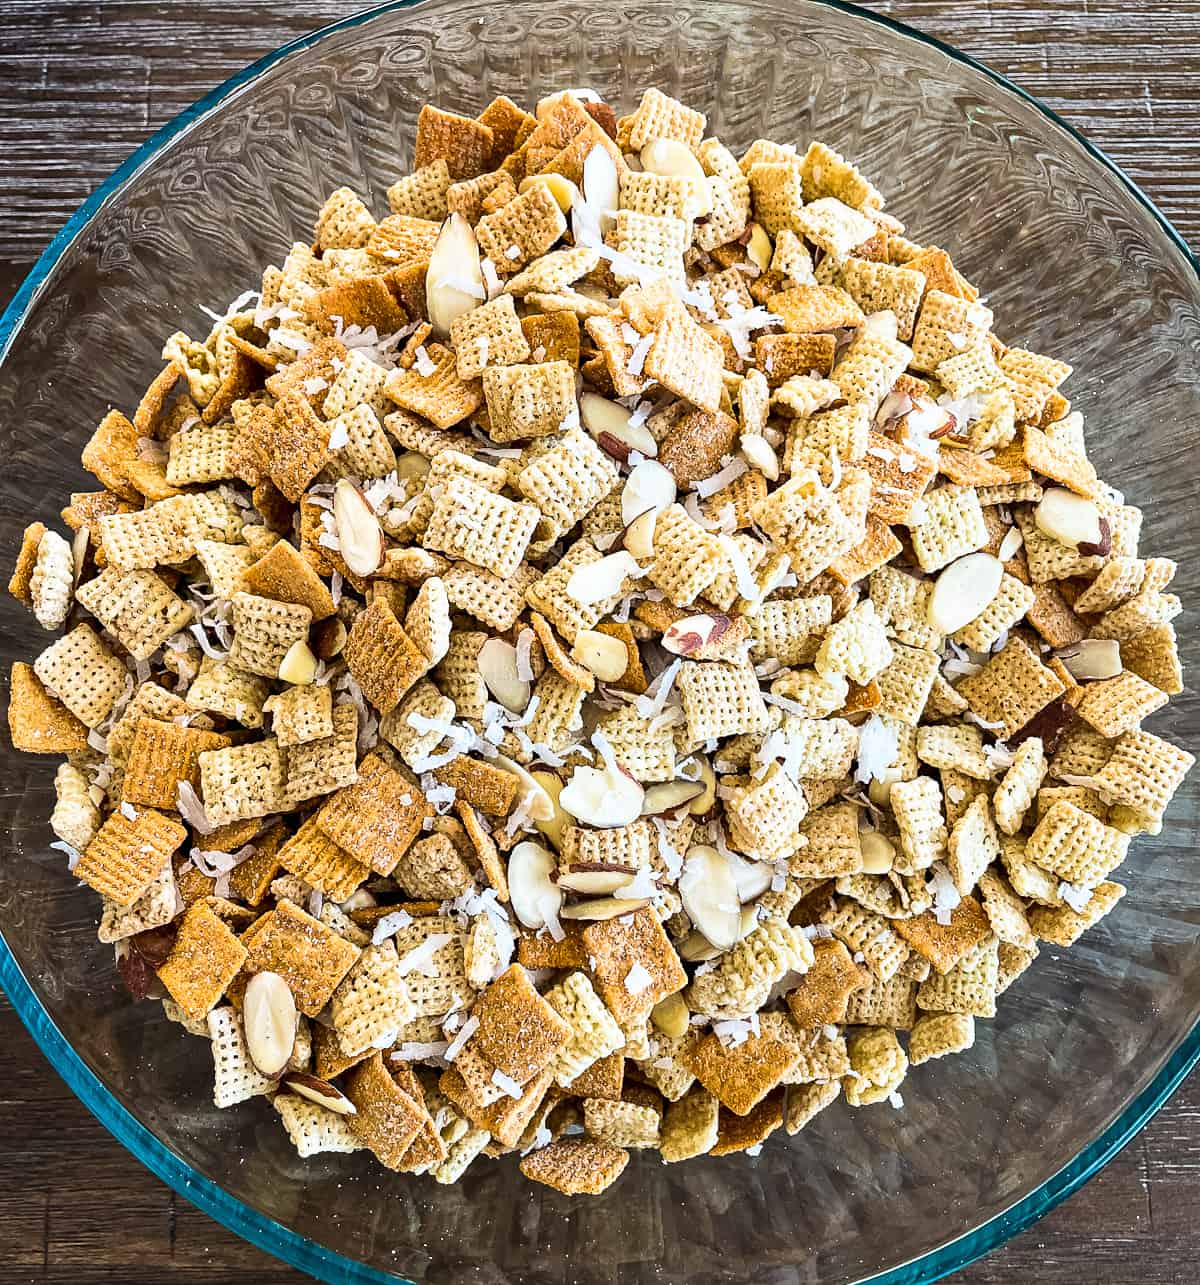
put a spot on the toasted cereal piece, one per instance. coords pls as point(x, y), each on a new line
point(427, 621)
point(877, 1063)
point(576, 1166)
point(528, 401)
point(371, 1003)
point(37, 722)
point(1011, 688)
point(868, 934)
point(158, 905)
point(902, 603)
point(205, 958)
point(568, 480)
point(617, 947)
point(313, 1130)
point(51, 580)
point(416, 740)
point(242, 781)
point(309, 956)
point(1058, 460)
point(622, 1124)
point(236, 1078)
point(489, 335)
point(465, 145)
point(440, 396)
point(686, 557)
point(128, 852)
point(1075, 846)
point(974, 845)
point(878, 287)
point(742, 1075)
point(1005, 911)
point(548, 594)
point(808, 309)
point(530, 224)
point(161, 755)
point(1114, 706)
point(222, 689)
point(422, 194)
point(776, 193)
point(381, 656)
point(969, 988)
point(954, 746)
point(386, 1119)
point(822, 994)
point(640, 747)
point(939, 1034)
point(433, 868)
point(905, 684)
point(744, 976)
point(82, 673)
point(945, 944)
point(325, 763)
point(301, 714)
point(686, 360)
point(660, 116)
point(806, 521)
point(826, 173)
point(917, 807)
point(1011, 603)
point(1063, 926)
point(946, 327)
point(137, 607)
point(689, 1127)
point(264, 631)
point(1019, 786)
point(486, 529)
point(314, 857)
point(1154, 656)
point(343, 222)
point(720, 700)
point(891, 1003)
point(1035, 378)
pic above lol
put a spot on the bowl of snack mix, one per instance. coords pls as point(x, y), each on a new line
point(594, 686)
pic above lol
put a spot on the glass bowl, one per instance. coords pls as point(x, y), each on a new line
point(1076, 262)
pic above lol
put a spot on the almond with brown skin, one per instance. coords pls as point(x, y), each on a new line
point(321, 1092)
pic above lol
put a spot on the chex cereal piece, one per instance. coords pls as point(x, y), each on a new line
point(323, 764)
point(660, 116)
point(1035, 377)
point(806, 522)
point(264, 631)
point(689, 1127)
point(946, 327)
point(1011, 688)
point(465, 145)
point(283, 575)
point(531, 223)
point(205, 958)
point(314, 857)
point(1063, 925)
point(371, 1003)
point(856, 646)
point(301, 714)
point(807, 309)
point(236, 1078)
point(905, 684)
point(742, 1075)
point(222, 689)
point(37, 723)
point(576, 1166)
point(386, 1119)
point(833, 226)
point(378, 817)
point(381, 656)
point(891, 1003)
point(1019, 786)
point(973, 846)
point(312, 1129)
point(969, 988)
point(1005, 911)
point(1075, 846)
point(957, 746)
point(776, 192)
point(879, 286)
point(654, 241)
point(763, 814)
point(1012, 601)
point(790, 631)
point(630, 1122)
point(868, 934)
point(83, 674)
point(687, 559)
point(160, 756)
point(567, 481)
point(821, 996)
point(158, 905)
point(939, 1034)
point(687, 361)
point(481, 527)
point(242, 781)
point(617, 947)
point(128, 853)
point(433, 868)
point(917, 808)
point(720, 700)
point(952, 526)
point(525, 401)
point(422, 194)
point(805, 1101)
point(76, 818)
point(1118, 705)
point(1154, 656)
point(440, 396)
point(833, 846)
point(489, 335)
point(739, 984)
point(309, 956)
point(945, 944)
point(878, 1064)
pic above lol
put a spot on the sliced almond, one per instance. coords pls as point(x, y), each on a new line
point(695, 948)
point(1067, 517)
point(693, 633)
point(1012, 541)
point(411, 464)
point(595, 880)
point(552, 825)
point(595, 581)
point(638, 536)
point(269, 1020)
point(602, 797)
point(879, 790)
point(454, 278)
point(710, 896)
point(878, 852)
point(758, 247)
point(360, 537)
point(669, 795)
point(497, 661)
point(558, 185)
point(673, 159)
point(704, 802)
point(604, 908)
point(672, 1016)
point(601, 188)
point(882, 325)
point(609, 424)
point(299, 666)
point(532, 892)
point(1093, 658)
point(329, 636)
point(541, 798)
point(321, 1092)
point(760, 454)
point(607, 657)
point(649, 486)
point(752, 878)
point(962, 591)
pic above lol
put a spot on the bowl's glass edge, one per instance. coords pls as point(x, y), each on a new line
point(272, 1236)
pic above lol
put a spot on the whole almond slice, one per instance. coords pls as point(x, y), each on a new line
point(758, 247)
point(541, 801)
point(710, 895)
point(649, 487)
point(532, 892)
point(558, 185)
point(751, 878)
point(595, 581)
point(761, 455)
point(604, 908)
point(269, 1019)
point(693, 633)
point(666, 796)
point(454, 279)
point(319, 1091)
point(638, 536)
point(602, 797)
point(299, 666)
point(551, 825)
point(497, 661)
point(607, 657)
point(672, 1016)
point(609, 424)
point(601, 187)
point(878, 852)
point(360, 537)
point(1093, 658)
point(1068, 518)
point(595, 880)
point(962, 592)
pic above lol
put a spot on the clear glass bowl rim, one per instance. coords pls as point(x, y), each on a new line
point(273, 1237)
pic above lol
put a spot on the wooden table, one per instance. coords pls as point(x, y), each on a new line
point(81, 84)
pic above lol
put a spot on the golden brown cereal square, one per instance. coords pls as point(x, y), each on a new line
point(205, 958)
point(823, 992)
point(540, 950)
point(110, 448)
point(743, 1132)
point(576, 1166)
point(519, 1034)
point(603, 1080)
point(616, 946)
point(19, 583)
point(37, 723)
point(386, 1119)
point(314, 857)
point(307, 954)
point(161, 755)
point(552, 337)
point(128, 853)
point(1012, 687)
point(250, 880)
point(505, 1118)
point(283, 575)
point(383, 659)
point(488, 788)
point(465, 145)
point(742, 1075)
point(378, 817)
point(1117, 705)
point(944, 945)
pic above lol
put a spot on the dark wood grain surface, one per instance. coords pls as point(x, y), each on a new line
point(81, 85)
